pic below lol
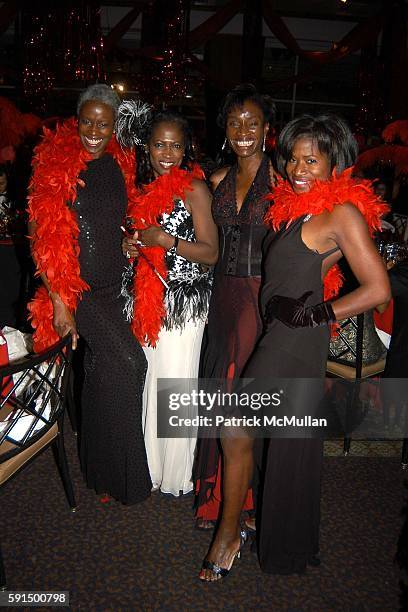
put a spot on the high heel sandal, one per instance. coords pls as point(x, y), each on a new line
point(204, 524)
point(222, 572)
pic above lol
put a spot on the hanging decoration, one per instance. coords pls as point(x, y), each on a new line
point(64, 41)
point(176, 56)
point(82, 41)
point(38, 76)
point(70, 35)
point(173, 73)
point(369, 116)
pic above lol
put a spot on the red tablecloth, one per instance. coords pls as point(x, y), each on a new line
point(7, 383)
point(383, 320)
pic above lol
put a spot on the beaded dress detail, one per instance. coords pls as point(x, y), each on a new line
point(112, 450)
point(189, 290)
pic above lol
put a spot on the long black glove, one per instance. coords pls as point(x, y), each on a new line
point(294, 313)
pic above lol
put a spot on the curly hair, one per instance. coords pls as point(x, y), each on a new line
point(331, 134)
point(102, 93)
point(144, 170)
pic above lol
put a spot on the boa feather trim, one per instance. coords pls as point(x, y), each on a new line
point(324, 196)
point(154, 200)
point(58, 161)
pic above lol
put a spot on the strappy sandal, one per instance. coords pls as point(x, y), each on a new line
point(222, 572)
point(250, 524)
point(204, 524)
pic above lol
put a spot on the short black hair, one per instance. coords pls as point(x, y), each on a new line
point(144, 171)
point(241, 94)
point(331, 134)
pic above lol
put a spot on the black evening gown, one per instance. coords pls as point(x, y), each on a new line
point(289, 506)
point(113, 456)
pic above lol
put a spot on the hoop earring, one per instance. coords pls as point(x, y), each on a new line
point(263, 145)
point(224, 145)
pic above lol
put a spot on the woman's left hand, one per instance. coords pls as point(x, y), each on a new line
point(155, 236)
point(293, 312)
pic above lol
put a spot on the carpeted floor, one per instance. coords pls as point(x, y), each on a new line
point(146, 557)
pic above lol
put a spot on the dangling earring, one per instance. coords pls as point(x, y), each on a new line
point(264, 141)
point(224, 145)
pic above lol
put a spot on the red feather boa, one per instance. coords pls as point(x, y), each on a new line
point(57, 163)
point(154, 200)
point(324, 196)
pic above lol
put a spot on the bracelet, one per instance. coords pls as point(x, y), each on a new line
point(173, 250)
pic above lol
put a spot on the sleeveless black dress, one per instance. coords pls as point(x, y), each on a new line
point(289, 513)
point(113, 456)
point(234, 322)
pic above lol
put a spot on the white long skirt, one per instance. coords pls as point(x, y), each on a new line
point(176, 355)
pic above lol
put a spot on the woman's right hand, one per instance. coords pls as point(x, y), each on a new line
point(63, 320)
point(129, 246)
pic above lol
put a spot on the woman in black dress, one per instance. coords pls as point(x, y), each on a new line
point(318, 213)
point(234, 322)
point(76, 215)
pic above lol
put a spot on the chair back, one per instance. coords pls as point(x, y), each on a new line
point(356, 351)
point(400, 223)
point(31, 404)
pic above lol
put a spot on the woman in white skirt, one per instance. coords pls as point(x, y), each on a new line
point(174, 242)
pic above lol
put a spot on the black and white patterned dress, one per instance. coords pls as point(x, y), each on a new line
point(189, 286)
point(176, 355)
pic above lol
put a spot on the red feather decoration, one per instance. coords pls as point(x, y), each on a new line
point(324, 196)
point(153, 201)
point(396, 130)
point(57, 163)
point(387, 155)
point(14, 125)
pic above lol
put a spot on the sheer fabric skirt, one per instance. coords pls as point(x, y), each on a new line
point(234, 326)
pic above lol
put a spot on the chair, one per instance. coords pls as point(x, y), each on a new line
point(355, 353)
point(400, 223)
point(404, 459)
point(32, 405)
